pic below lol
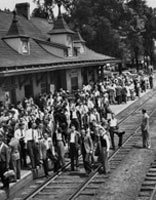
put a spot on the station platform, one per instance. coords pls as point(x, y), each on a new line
point(119, 108)
point(27, 176)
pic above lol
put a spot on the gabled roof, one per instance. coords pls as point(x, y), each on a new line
point(78, 38)
point(39, 59)
point(60, 25)
point(31, 27)
point(38, 56)
point(90, 55)
point(16, 29)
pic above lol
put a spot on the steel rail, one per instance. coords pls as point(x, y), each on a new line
point(92, 175)
point(153, 196)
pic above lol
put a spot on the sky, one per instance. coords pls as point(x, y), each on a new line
point(11, 4)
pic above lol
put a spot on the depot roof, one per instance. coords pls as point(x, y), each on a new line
point(39, 59)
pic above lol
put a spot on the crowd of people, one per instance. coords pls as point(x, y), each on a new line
point(34, 131)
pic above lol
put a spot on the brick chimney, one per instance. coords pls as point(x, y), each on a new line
point(23, 9)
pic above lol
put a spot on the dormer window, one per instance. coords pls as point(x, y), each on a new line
point(16, 37)
point(60, 32)
point(70, 51)
point(79, 43)
point(25, 46)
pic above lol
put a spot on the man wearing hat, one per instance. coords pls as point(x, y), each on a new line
point(4, 162)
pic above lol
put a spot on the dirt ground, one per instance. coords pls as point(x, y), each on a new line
point(125, 182)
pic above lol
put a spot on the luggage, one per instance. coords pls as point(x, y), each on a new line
point(9, 174)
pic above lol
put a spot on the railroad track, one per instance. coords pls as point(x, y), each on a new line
point(90, 189)
point(68, 186)
point(148, 187)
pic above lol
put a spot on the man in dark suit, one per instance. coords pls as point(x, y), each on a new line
point(4, 162)
point(74, 144)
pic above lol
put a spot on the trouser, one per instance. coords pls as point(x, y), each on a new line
point(104, 159)
point(102, 112)
point(87, 162)
point(146, 138)
point(61, 152)
point(23, 153)
point(124, 98)
point(53, 159)
point(45, 166)
point(151, 84)
point(16, 165)
point(112, 99)
point(113, 131)
point(119, 99)
point(3, 169)
point(37, 152)
point(84, 121)
point(143, 87)
point(33, 153)
point(137, 91)
point(73, 155)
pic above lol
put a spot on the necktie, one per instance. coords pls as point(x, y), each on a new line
point(33, 137)
point(21, 133)
point(40, 133)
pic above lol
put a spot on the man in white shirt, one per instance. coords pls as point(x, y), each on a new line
point(32, 140)
point(20, 135)
point(83, 110)
point(114, 129)
point(15, 113)
point(145, 130)
point(90, 104)
point(74, 117)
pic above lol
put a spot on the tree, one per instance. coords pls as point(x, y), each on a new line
point(118, 28)
point(98, 23)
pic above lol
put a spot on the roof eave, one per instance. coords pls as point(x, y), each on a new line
point(79, 41)
point(54, 66)
point(55, 32)
point(15, 36)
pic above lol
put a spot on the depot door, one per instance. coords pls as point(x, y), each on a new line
point(74, 83)
point(28, 91)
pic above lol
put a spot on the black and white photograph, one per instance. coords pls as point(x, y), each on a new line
point(77, 99)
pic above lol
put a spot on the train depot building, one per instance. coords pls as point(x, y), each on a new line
point(37, 56)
